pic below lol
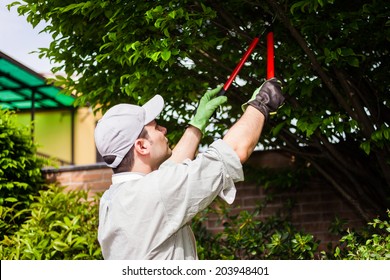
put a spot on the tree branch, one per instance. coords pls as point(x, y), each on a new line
point(340, 189)
point(361, 115)
point(315, 64)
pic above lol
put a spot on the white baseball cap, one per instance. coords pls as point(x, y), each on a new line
point(121, 125)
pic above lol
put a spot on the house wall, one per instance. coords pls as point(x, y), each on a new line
point(316, 206)
point(53, 130)
point(85, 151)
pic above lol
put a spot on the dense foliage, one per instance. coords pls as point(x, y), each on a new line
point(332, 56)
point(60, 226)
point(63, 225)
point(371, 243)
point(20, 172)
point(246, 237)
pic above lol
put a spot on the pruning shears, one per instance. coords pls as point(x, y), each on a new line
point(270, 57)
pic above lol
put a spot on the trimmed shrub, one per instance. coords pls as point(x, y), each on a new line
point(20, 172)
point(60, 226)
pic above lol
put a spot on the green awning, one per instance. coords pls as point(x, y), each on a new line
point(22, 89)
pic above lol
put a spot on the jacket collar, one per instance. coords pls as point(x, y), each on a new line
point(125, 177)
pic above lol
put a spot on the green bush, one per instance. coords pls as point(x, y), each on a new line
point(372, 243)
point(61, 226)
point(20, 172)
point(245, 237)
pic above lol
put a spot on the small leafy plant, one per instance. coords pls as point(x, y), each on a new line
point(60, 226)
point(373, 243)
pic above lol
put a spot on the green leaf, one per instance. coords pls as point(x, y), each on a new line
point(158, 22)
point(365, 146)
point(277, 128)
point(172, 14)
point(60, 245)
point(386, 133)
point(155, 56)
point(353, 61)
point(166, 55)
point(346, 52)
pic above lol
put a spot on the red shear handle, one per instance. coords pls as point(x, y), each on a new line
point(270, 55)
point(239, 66)
point(241, 63)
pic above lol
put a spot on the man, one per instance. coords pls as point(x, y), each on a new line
point(156, 191)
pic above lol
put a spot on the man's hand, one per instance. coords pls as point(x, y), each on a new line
point(267, 98)
point(207, 105)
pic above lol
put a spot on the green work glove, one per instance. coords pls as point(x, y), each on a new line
point(207, 105)
point(267, 98)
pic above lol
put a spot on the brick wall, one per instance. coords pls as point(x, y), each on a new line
point(314, 210)
point(93, 178)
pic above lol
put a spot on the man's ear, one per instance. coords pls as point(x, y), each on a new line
point(142, 146)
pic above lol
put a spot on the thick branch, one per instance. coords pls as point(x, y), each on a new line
point(340, 189)
point(360, 113)
point(364, 120)
point(330, 177)
point(315, 64)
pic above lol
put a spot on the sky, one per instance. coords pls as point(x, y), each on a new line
point(18, 39)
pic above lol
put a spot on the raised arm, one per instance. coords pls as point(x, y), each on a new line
point(244, 135)
point(188, 144)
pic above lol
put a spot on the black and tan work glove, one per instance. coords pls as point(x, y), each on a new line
point(267, 98)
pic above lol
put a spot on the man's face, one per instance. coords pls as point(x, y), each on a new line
point(159, 150)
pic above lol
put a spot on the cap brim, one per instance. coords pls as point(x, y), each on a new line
point(153, 108)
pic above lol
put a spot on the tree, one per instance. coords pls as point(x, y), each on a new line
point(20, 173)
point(332, 57)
